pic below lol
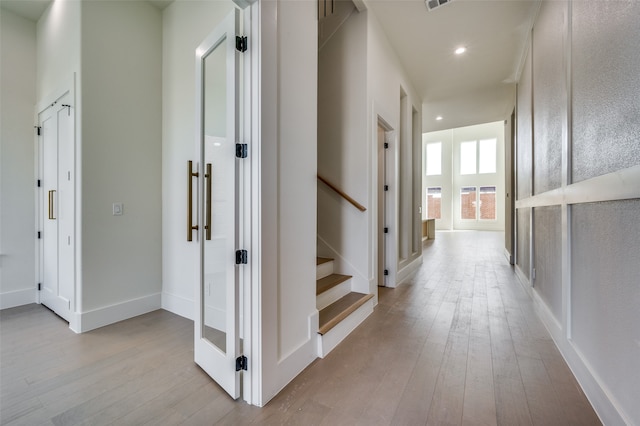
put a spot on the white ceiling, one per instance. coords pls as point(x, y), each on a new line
point(33, 9)
point(29, 9)
point(472, 88)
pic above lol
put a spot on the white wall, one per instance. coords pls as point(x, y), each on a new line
point(184, 26)
point(287, 192)
point(360, 80)
point(386, 80)
point(121, 160)
point(343, 230)
point(58, 47)
point(17, 182)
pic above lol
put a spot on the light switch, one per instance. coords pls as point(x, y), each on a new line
point(117, 209)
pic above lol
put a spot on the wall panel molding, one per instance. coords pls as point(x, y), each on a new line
point(600, 130)
point(620, 185)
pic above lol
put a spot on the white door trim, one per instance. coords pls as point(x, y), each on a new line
point(65, 90)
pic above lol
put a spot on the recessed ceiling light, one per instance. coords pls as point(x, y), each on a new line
point(460, 50)
point(439, 118)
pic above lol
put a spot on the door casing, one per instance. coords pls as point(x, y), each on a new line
point(55, 171)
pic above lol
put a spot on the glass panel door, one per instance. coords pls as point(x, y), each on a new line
point(217, 341)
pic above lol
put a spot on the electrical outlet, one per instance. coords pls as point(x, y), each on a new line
point(118, 209)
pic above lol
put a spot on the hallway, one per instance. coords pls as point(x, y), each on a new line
point(458, 344)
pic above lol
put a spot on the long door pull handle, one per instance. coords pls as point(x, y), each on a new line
point(51, 209)
point(209, 178)
point(190, 175)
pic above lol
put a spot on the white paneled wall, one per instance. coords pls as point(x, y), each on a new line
point(578, 179)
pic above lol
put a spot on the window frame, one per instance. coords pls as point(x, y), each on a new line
point(427, 156)
point(427, 201)
point(478, 203)
point(478, 144)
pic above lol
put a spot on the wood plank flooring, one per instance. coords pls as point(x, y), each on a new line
point(459, 343)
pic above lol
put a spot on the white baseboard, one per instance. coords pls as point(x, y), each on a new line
point(548, 319)
point(508, 256)
point(100, 317)
point(11, 299)
point(598, 395)
point(178, 305)
point(406, 271)
point(526, 284)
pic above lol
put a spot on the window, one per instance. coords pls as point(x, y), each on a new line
point(468, 158)
point(487, 203)
point(468, 202)
point(471, 209)
point(434, 202)
point(487, 154)
point(434, 159)
point(478, 157)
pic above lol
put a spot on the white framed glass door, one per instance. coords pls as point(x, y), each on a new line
point(216, 325)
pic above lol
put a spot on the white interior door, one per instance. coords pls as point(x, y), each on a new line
point(57, 207)
point(217, 338)
point(382, 200)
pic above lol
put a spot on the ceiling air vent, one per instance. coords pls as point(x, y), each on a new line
point(432, 4)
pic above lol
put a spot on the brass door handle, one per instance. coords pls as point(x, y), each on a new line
point(209, 177)
point(190, 175)
point(51, 209)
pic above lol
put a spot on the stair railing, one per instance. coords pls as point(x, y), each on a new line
point(342, 194)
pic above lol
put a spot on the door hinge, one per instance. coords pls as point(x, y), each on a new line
point(386, 272)
point(241, 363)
point(386, 187)
point(241, 43)
point(39, 234)
point(242, 257)
point(386, 145)
point(386, 230)
point(39, 286)
point(38, 130)
point(241, 150)
point(38, 183)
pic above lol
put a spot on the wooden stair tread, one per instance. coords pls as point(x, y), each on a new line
point(339, 310)
point(329, 282)
point(321, 260)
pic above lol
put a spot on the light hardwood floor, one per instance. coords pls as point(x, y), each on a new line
point(458, 344)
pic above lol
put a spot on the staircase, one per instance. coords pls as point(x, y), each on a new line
point(341, 310)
